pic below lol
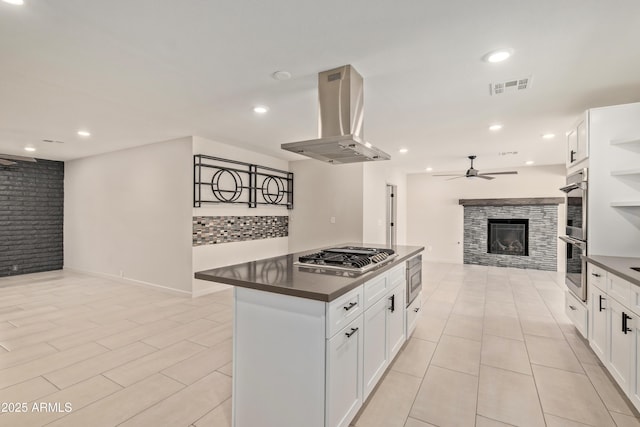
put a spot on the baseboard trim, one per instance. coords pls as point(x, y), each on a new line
point(129, 281)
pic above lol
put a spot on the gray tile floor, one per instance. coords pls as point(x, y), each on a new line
point(493, 348)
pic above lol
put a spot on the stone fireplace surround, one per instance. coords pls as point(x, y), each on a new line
point(542, 214)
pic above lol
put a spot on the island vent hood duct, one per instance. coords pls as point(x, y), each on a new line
point(340, 96)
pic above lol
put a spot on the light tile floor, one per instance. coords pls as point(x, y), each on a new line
point(493, 348)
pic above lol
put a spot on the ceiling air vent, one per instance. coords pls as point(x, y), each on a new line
point(509, 86)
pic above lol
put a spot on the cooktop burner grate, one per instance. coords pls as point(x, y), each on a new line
point(348, 257)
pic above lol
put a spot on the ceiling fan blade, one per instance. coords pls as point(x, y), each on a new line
point(454, 177)
point(501, 173)
point(4, 162)
point(20, 158)
point(483, 177)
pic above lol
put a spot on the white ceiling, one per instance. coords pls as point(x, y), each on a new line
point(136, 72)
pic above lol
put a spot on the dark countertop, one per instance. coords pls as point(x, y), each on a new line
point(620, 266)
point(280, 274)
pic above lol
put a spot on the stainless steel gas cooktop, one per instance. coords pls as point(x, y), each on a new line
point(347, 258)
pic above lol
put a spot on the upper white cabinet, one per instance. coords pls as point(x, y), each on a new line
point(578, 141)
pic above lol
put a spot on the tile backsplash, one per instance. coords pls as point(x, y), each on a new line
point(211, 230)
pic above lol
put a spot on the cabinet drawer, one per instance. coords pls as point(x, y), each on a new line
point(375, 289)
point(413, 314)
point(596, 276)
point(343, 310)
point(397, 275)
point(619, 289)
point(577, 312)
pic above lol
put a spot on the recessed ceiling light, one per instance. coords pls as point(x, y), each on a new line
point(15, 2)
point(84, 133)
point(548, 136)
point(281, 75)
point(403, 150)
point(495, 127)
point(30, 149)
point(529, 162)
point(429, 169)
point(260, 109)
point(498, 55)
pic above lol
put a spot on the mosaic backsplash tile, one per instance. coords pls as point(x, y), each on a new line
point(211, 230)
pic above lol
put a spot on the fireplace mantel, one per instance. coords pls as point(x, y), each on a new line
point(530, 201)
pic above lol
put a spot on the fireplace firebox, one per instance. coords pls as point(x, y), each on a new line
point(508, 236)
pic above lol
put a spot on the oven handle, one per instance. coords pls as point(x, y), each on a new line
point(570, 187)
point(571, 241)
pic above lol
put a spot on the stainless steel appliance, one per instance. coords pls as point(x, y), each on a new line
point(348, 258)
point(576, 267)
point(576, 232)
point(576, 190)
point(341, 121)
point(414, 278)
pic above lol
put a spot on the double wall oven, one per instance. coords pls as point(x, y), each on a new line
point(576, 232)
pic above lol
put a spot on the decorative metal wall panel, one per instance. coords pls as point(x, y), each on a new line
point(218, 180)
point(211, 230)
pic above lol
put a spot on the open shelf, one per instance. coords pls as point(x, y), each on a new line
point(626, 204)
point(625, 141)
point(626, 172)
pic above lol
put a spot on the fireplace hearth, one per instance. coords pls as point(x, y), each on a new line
point(508, 236)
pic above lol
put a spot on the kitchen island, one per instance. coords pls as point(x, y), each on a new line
point(311, 343)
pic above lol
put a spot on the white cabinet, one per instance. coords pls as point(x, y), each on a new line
point(577, 311)
point(634, 386)
point(620, 343)
point(344, 383)
point(384, 330)
point(413, 313)
point(375, 344)
point(304, 362)
point(396, 335)
point(343, 310)
point(619, 289)
point(598, 321)
point(578, 141)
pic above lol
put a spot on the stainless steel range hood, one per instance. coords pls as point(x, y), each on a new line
point(340, 122)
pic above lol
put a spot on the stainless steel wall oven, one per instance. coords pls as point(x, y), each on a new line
point(576, 233)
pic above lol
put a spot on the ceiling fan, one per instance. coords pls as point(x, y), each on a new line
point(473, 173)
point(10, 160)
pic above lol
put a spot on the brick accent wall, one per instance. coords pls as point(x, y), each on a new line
point(543, 236)
point(31, 217)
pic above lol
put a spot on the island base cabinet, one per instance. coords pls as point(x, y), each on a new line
point(396, 313)
point(279, 349)
point(344, 374)
point(375, 344)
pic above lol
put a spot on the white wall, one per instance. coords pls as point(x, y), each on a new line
point(376, 176)
point(323, 191)
point(435, 219)
point(128, 214)
point(212, 256)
